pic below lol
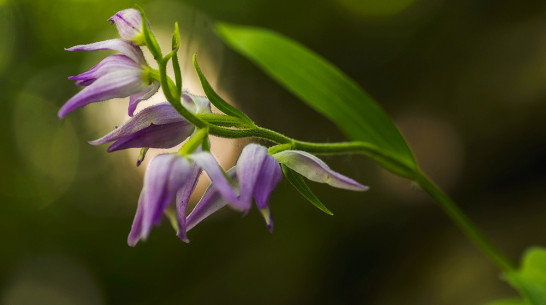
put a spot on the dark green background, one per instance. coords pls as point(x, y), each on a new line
point(464, 80)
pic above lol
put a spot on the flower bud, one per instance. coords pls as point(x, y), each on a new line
point(129, 24)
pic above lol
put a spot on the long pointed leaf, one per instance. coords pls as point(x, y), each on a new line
point(299, 184)
point(214, 98)
point(326, 89)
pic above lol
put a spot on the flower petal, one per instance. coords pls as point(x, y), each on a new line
point(137, 233)
point(165, 175)
point(128, 22)
point(248, 169)
point(182, 199)
point(196, 104)
point(107, 65)
point(269, 178)
point(142, 96)
point(155, 136)
point(210, 202)
point(123, 46)
point(117, 84)
point(209, 164)
point(158, 126)
point(316, 170)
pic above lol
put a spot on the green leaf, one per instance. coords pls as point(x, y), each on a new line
point(326, 89)
point(508, 302)
point(176, 64)
point(214, 98)
point(299, 184)
point(530, 279)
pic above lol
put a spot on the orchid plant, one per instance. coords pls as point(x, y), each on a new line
point(171, 178)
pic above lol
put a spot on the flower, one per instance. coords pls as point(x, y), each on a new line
point(316, 170)
point(258, 173)
point(169, 176)
point(157, 126)
point(116, 76)
point(129, 24)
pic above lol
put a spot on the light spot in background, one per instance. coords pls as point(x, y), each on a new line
point(51, 279)
point(48, 148)
point(373, 8)
point(438, 149)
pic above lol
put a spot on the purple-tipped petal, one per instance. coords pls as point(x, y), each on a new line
point(248, 169)
point(157, 126)
point(129, 23)
point(109, 64)
point(165, 175)
point(182, 199)
point(208, 163)
point(268, 218)
point(142, 96)
point(155, 136)
point(117, 84)
point(316, 170)
point(258, 174)
point(210, 202)
point(123, 46)
point(269, 178)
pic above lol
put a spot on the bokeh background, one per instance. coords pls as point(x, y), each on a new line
point(464, 80)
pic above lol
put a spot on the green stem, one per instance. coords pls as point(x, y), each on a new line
point(447, 205)
point(194, 142)
point(175, 101)
point(216, 125)
point(464, 223)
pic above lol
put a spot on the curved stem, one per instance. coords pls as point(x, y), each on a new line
point(464, 223)
point(447, 205)
point(166, 84)
point(216, 125)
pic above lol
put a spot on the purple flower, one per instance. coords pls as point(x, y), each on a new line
point(116, 76)
point(157, 126)
point(258, 174)
point(169, 176)
point(316, 170)
point(129, 24)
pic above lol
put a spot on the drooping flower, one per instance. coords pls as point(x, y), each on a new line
point(169, 176)
point(129, 24)
point(116, 76)
point(316, 170)
point(157, 126)
point(258, 173)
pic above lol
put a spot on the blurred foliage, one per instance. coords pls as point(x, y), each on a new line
point(464, 80)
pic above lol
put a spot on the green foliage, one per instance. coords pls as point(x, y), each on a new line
point(530, 279)
point(326, 89)
point(214, 98)
point(299, 184)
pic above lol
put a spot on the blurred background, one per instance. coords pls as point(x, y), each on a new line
point(464, 80)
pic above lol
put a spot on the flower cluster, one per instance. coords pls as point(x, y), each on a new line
point(171, 177)
point(118, 75)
